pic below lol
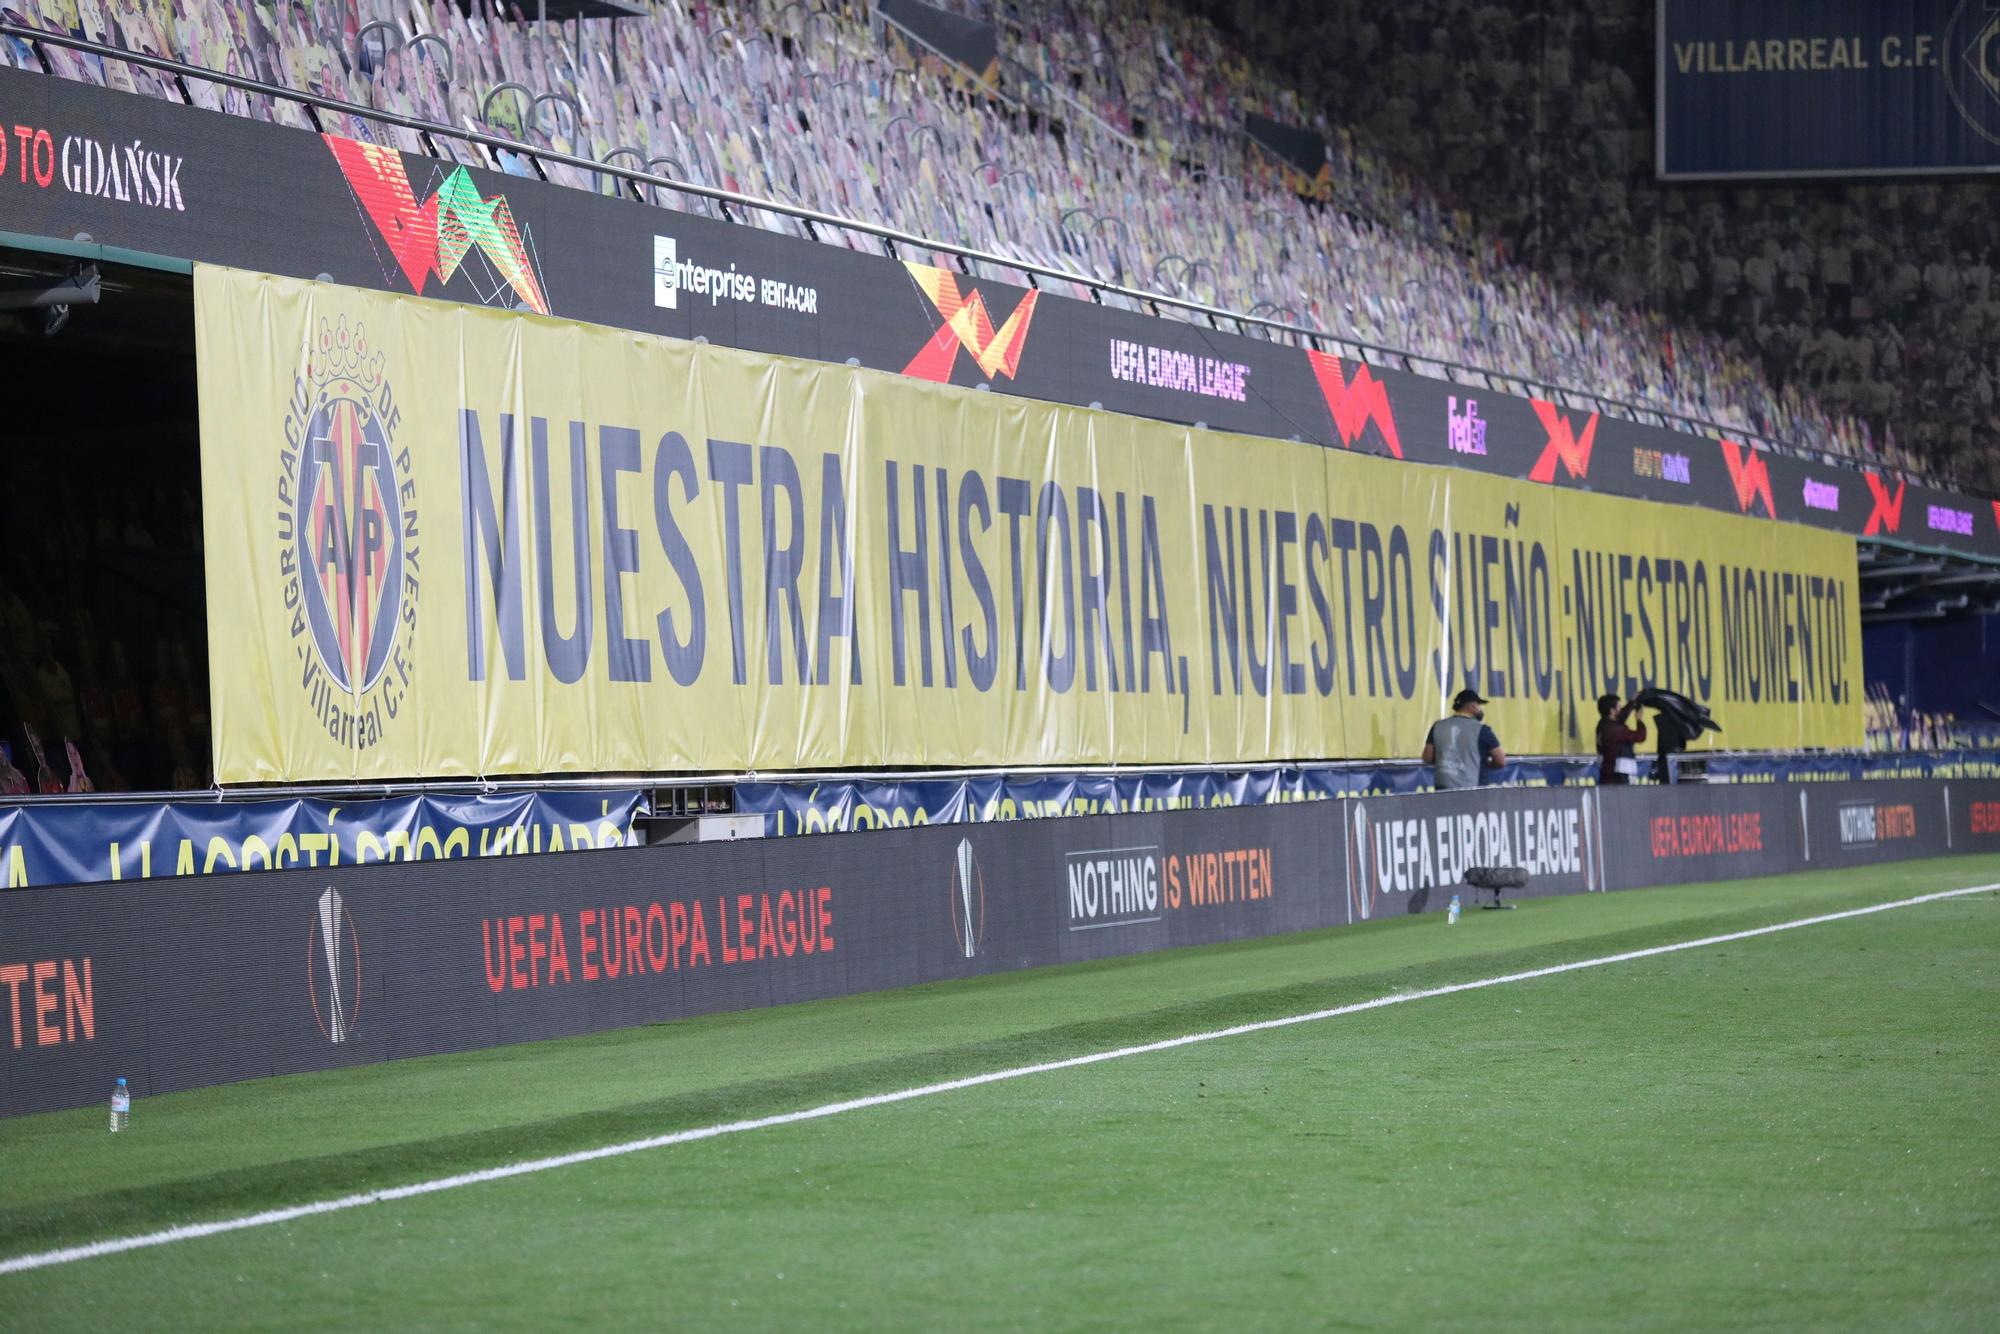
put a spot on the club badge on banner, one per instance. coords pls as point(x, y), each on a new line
point(449, 541)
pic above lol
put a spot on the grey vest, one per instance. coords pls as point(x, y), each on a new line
point(1457, 742)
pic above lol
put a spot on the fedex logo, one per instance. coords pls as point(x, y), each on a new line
point(1465, 431)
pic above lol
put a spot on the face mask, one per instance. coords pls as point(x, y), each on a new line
point(1480, 714)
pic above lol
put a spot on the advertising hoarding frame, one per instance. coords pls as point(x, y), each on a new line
point(200, 981)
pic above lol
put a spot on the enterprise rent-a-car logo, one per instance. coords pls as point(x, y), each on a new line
point(673, 275)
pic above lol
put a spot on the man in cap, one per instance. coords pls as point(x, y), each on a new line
point(1460, 746)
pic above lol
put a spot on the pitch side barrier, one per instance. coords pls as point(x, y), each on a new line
point(209, 980)
point(135, 176)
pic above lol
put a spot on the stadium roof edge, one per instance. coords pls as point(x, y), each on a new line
point(84, 248)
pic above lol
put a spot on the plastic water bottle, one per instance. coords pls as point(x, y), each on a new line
point(1451, 915)
point(121, 1106)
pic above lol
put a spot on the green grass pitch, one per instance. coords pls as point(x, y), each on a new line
point(1800, 1130)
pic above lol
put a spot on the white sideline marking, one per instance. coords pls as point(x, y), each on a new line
point(192, 1231)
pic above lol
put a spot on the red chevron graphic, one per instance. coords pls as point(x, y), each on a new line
point(1355, 403)
point(968, 325)
point(1564, 444)
point(1887, 516)
point(408, 228)
point(1750, 475)
point(431, 238)
point(1996, 514)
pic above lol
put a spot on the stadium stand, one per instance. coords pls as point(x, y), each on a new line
point(1112, 145)
point(1874, 299)
point(805, 105)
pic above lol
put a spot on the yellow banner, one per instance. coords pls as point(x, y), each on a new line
point(448, 541)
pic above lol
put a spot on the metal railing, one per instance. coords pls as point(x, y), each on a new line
point(1218, 317)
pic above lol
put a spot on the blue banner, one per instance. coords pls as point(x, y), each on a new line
point(861, 803)
point(67, 842)
point(1828, 87)
point(1842, 768)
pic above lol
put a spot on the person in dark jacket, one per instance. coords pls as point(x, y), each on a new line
point(1615, 763)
